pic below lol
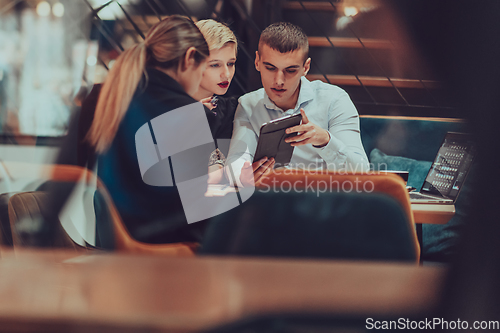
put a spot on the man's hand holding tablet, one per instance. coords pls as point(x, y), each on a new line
point(272, 140)
point(308, 133)
point(272, 149)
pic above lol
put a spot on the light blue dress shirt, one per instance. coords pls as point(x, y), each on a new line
point(326, 105)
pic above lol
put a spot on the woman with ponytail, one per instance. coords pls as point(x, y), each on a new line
point(173, 47)
point(156, 76)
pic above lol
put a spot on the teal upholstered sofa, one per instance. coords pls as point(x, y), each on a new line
point(410, 144)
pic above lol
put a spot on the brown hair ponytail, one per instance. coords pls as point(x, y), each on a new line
point(165, 45)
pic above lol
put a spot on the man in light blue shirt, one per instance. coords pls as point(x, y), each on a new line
point(327, 138)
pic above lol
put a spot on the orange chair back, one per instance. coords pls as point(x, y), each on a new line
point(123, 240)
point(322, 181)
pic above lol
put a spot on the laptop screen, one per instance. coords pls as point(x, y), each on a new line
point(451, 165)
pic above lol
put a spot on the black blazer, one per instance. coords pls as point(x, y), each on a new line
point(151, 214)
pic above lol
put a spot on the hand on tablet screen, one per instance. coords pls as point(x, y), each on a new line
point(308, 133)
point(252, 173)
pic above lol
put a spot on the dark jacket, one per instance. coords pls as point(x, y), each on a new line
point(224, 112)
point(151, 213)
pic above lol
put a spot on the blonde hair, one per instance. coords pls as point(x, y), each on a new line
point(165, 45)
point(216, 34)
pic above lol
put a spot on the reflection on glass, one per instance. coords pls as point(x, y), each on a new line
point(39, 72)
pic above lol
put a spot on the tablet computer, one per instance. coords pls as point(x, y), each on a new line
point(272, 140)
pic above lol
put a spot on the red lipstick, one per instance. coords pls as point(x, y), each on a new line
point(223, 84)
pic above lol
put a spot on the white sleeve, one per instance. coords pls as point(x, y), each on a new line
point(243, 145)
point(344, 151)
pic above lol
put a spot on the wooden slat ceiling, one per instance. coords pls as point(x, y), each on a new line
point(350, 42)
point(375, 81)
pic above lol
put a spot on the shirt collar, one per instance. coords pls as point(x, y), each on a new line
point(306, 94)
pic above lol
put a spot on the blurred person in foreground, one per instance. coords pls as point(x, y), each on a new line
point(327, 138)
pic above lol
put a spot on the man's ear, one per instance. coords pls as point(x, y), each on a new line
point(307, 66)
point(257, 61)
point(188, 61)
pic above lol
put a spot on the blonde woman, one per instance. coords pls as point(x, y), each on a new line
point(156, 76)
point(216, 79)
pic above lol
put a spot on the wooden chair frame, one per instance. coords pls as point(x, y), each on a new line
point(123, 240)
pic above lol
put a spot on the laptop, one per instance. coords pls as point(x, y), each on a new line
point(447, 174)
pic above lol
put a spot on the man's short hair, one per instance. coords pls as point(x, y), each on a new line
point(285, 37)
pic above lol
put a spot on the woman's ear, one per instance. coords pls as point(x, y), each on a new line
point(189, 59)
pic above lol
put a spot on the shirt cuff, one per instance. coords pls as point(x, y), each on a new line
point(333, 148)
